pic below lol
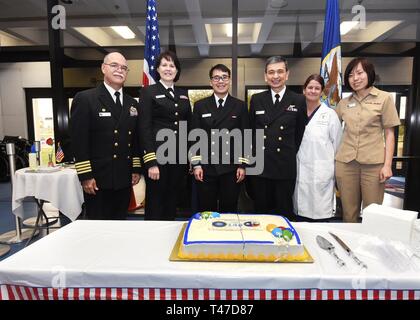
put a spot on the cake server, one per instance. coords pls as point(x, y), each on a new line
point(349, 251)
point(326, 245)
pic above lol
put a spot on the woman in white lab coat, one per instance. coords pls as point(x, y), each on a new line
point(314, 196)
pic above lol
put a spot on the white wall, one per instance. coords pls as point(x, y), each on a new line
point(14, 77)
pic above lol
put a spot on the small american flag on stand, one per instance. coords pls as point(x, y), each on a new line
point(152, 44)
point(59, 155)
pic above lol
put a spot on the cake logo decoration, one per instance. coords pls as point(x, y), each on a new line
point(206, 215)
point(251, 224)
point(280, 232)
point(219, 224)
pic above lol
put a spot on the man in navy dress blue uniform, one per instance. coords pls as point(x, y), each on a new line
point(218, 183)
point(103, 128)
point(281, 113)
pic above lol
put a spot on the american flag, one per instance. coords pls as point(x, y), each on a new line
point(59, 155)
point(152, 43)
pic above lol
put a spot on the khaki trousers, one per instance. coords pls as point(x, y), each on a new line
point(358, 183)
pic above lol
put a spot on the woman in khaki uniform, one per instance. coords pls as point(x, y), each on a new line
point(363, 160)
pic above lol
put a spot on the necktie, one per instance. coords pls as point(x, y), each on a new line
point(171, 92)
point(277, 102)
point(118, 103)
point(220, 103)
point(117, 99)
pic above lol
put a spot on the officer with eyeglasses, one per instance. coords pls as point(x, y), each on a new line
point(103, 128)
point(220, 173)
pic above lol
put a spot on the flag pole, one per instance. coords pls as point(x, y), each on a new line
point(151, 52)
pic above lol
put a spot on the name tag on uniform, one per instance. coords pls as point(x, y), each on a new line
point(260, 112)
point(160, 96)
point(351, 105)
point(206, 115)
point(104, 114)
point(292, 108)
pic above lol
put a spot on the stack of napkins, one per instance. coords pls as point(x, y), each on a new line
point(391, 223)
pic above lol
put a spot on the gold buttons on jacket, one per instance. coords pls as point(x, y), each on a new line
point(281, 127)
point(115, 131)
point(115, 156)
point(278, 149)
point(176, 123)
point(116, 144)
point(129, 145)
point(280, 138)
point(128, 157)
point(265, 127)
point(176, 113)
point(176, 104)
point(129, 132)
point(265, 137)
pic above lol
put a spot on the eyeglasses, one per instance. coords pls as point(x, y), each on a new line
point(117, 66)
point(218, 78)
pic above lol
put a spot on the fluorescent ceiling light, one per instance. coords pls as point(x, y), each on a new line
point(221, 33)
point(124, 32)
point(346, 26)
point(229, 29)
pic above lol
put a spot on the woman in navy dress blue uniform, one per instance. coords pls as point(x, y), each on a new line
point(163, 106)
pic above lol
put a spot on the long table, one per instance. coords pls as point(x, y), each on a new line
point(130, 260)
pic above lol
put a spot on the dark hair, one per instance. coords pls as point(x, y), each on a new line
point(367, 67)
point(276, 59)
point(220, 67)
point(315, 77)
point(168, 55)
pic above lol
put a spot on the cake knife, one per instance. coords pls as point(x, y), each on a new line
point(349, 251)
point(326, 245)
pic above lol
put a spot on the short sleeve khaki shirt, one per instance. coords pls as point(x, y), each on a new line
point(365, 121)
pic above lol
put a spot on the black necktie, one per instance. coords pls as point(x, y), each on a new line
point(117, 99)
point(277, 102)
point(118, 103)
point(220, 103)
point(171, 92)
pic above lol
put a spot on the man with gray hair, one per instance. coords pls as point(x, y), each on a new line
point(103, 129)
point(281, 113)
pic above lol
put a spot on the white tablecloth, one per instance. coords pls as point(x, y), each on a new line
point(62, 189)
point(135, 254)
